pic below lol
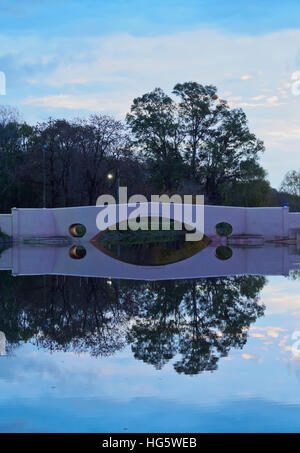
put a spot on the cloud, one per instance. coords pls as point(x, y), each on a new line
point(272, 99)
point(258, 98)
point(95, 102)
point(246, 77)
point(105, 73)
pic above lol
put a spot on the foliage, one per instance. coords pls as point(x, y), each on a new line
point(188, 142)
point(198, 138)
point(157, 132)
point(199, 109)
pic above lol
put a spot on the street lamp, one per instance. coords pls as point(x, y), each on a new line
point(44, 175)
point(114, 176)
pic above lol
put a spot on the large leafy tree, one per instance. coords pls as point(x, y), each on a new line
point(231, 155)
point(200, 109)
point(158, 133)
point(202, 132)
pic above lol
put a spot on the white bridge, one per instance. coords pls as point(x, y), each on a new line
point(269, 223)
point(40, 258)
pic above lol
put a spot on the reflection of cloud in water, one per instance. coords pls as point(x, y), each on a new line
point(294, 367)
point(17, 426)
point(247, 356)
point(282, 296)
point(270, 331)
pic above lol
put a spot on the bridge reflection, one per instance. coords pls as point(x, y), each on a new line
point(51, 260)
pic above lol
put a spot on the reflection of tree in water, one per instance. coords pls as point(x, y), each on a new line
point(201, 320)
point(65, 313)
point(84, 315)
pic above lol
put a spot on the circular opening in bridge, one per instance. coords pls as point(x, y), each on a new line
point(223, 229)
point(223, 252)
point(77, 252)
point(77, 230)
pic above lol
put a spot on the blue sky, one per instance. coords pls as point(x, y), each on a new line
point(144, 17)
point(69, 58)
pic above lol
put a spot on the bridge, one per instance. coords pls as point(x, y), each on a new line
point(271, 223)
point(43, 238)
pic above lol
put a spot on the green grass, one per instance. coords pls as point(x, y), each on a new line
point(140, 237)
point(145, 235)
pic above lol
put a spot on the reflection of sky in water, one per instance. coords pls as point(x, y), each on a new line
point(253, 389)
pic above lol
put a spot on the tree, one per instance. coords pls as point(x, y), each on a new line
point(158, 133)
point(14, 140)
point(250, 189)
point(77, 157)
point(199, 137)
point(99, 138)
point(59, 137)
point(8, 115)
point(194, 145)
point(200, 109)
point(231, 155)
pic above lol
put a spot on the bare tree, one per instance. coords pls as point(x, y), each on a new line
point(99, 138)
point(8, 115)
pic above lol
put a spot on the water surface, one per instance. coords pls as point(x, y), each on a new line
point(205, 354)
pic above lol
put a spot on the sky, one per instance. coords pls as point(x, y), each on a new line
point(70, 58)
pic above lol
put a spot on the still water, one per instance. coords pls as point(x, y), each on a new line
point(199, 346)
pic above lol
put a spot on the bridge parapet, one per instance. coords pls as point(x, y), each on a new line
point(271, 223)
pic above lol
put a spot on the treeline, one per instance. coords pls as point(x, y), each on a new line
point(190, 143)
